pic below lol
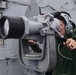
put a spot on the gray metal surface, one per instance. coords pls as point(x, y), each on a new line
point(49, 6)
point(9, 63)
point(10, 67)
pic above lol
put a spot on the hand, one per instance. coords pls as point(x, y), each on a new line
point(70, 43)
point(31, 42)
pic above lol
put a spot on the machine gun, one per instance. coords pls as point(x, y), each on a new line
point(41, 29)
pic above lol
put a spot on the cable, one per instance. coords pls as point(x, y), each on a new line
point(18, 3)
point(26, 1)
point(45, 7)
point(62, 54)
point(48, 6)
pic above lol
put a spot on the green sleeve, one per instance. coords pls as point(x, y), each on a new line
point(36, 48)
point(74, 58)
point(74, 51)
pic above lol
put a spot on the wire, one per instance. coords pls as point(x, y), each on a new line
point(62, 54)
point(48, 6)
point(19, 3)
point(26, 1)
point(45, 7)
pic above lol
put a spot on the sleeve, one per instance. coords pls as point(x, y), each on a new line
point(36, 48)
point(74, 58)
point(74, 51)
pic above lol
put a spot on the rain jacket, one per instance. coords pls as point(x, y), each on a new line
point(66, 58)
